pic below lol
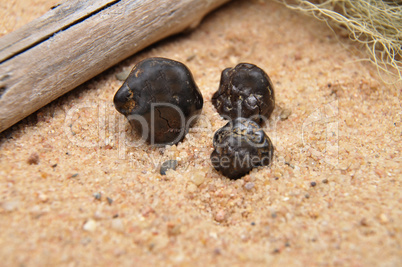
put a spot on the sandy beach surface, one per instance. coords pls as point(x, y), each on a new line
point(77, 189)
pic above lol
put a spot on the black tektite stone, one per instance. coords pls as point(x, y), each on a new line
point(160, 99)
point(240, 146)
point(245, 91)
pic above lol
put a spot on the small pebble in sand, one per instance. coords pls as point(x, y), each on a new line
point(43, 198)
point(313, 184)
point(191, 188)
point(220, 216)
point(118, 225)
point(276, 251)
point(109, 200)
point(384, 218)
point(97, 195)
point(33, 159)
point(249, 185)
point(90, 226)
point(198, 178)
point(285, 113)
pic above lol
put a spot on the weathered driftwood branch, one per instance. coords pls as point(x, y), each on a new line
point(77, 40)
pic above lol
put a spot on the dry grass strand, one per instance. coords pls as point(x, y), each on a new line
point(375, 23)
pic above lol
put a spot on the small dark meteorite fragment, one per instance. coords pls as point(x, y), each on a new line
point(160, 99)
point(240, 146)
point(245, 91)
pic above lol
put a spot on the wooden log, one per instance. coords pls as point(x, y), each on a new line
point(77, 40)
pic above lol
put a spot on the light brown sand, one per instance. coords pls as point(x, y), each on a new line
point(344, 134)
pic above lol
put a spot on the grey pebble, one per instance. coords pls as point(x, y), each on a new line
point(97, 195)
point(249, 186)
